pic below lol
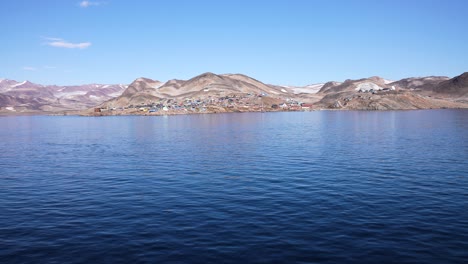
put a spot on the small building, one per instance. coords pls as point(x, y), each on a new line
point(294, 108)
point(306, 106)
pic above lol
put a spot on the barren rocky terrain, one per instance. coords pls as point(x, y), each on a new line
point(412, 93)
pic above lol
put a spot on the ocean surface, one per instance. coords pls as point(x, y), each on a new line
point(303, 187)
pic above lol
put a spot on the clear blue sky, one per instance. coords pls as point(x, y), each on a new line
point(294, 42)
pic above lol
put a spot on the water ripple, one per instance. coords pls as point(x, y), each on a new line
point(318, 187)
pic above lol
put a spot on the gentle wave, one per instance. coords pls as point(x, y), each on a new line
point(318, 187)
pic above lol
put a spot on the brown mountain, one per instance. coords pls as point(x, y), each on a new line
point(455, 87)
point(213, 84)
point(147, 91)
point(139, 91)
point(411, 93)
point(333, 92)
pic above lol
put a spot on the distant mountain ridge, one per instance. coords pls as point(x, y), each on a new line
point(31, 97)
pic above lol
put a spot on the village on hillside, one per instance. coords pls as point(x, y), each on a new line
point(235, 102)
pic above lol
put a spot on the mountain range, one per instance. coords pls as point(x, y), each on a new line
point(209, 89)
point(28, 97)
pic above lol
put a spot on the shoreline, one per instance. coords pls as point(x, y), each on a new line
point(169, 113)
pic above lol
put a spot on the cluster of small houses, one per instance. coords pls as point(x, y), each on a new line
point(248, 102)
point(293, 105)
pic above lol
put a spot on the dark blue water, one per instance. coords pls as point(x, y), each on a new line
point(315, 187)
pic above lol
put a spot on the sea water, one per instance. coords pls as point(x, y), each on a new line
point(297, 187)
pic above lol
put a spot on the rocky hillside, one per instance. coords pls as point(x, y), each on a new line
point(387, 100)
point(419, 83)
point(144, 91)
point(411, 93)
point(455, 87)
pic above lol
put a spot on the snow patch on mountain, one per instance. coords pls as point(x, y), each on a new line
point(367, 86)
point(18, 84)
point(157, 85)
point(69, 94)
point(309, 89)
point(116, 94)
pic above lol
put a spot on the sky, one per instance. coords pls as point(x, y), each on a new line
point(288, 42)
